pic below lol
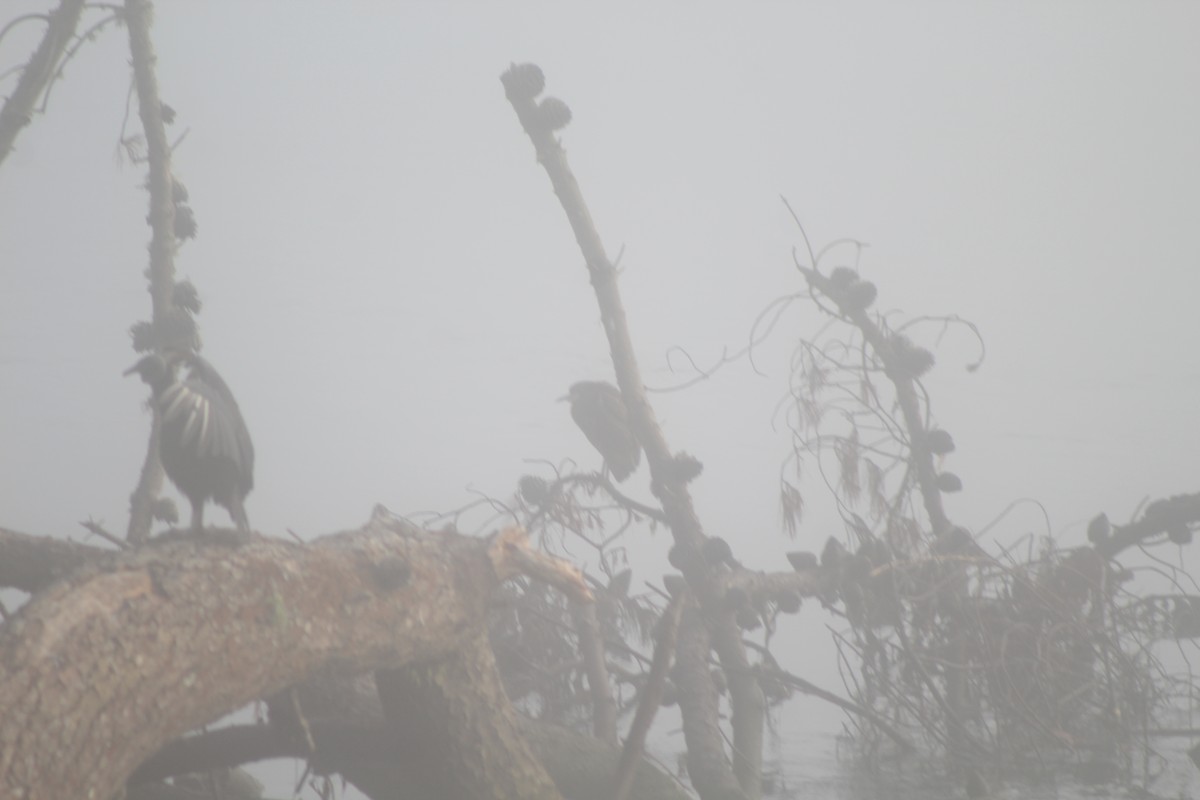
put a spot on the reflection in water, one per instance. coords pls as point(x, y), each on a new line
point(821, 765)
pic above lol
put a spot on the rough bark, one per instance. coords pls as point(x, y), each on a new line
point(343, 710)
point(102, 667)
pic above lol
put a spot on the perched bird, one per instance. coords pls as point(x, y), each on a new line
point(203, 441)
point(600, 413)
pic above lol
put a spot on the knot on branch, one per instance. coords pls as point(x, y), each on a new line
point(523, 82)
point(906, 360)
point(522, 85)
point(852, 294)
point(391, 573)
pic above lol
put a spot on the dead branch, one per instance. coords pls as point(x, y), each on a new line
point(652, 695)
point(179, 633)
point(708, 764)
point(138, 15)
point(38, 72)
point(1161, 516)
point(523, 83)
point(591, 647)
point(31, 563)
point(511, 555)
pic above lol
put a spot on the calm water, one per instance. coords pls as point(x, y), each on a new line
point(821, 766)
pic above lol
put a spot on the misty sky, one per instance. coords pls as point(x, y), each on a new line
point(394, 295)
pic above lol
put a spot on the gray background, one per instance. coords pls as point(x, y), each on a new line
point(394, 295)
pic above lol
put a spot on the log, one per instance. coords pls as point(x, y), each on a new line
point(122, 655)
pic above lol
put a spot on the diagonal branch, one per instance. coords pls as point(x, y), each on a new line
point(523, 83)
point(652, 695)
point(18, 109)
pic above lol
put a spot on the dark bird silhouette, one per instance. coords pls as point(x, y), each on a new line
point(203, 441)
point(600, 413)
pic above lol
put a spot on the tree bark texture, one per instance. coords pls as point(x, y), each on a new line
point(102, 668)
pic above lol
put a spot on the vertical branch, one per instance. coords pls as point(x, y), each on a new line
point(604, 708)
point(902, 377)
point(748, 707)
point(707, 764)
point(906, 397)
point(522, 84)
point(138, 16)
point(652, 695)
point(18, 109)
point(141, 500)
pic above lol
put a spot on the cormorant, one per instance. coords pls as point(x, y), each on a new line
point(203, 441)
point(600, 413)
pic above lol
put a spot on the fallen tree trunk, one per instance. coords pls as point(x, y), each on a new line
point(103, 667)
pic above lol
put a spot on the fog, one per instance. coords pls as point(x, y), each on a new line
point(394, 295)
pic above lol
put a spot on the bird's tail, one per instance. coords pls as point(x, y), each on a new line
point(624, 464)
point(237, 510)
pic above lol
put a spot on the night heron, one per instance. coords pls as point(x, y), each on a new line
point(600, 413)
point(203, 441)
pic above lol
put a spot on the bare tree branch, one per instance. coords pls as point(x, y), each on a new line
point(591, 647)
point(652, 694)
point(31, 563)
point(39, 71)
point(523, 83)
point(138, 16)
point(177, 634)
point(708, 764)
